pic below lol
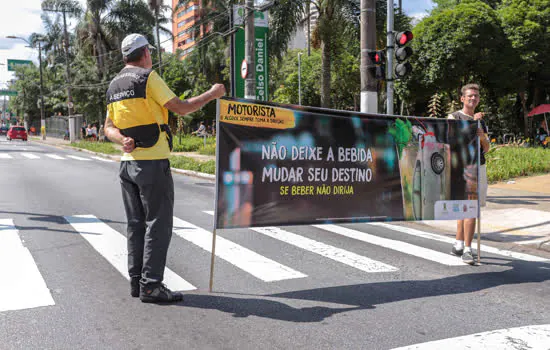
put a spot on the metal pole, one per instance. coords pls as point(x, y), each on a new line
point(42, 118)
point(72, 126)
point(308, 28)
point(478, 202)
point(158, 38)
point(232, 52)
point(389, 66)
point(369, 88)
point(300, 78)
point(250, 82)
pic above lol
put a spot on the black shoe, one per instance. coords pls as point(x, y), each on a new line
point(457, 252)
point(468, 258)
point(134, 286)
point(159, 293)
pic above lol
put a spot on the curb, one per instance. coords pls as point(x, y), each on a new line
point(117, 159)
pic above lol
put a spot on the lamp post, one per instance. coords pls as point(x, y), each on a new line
point(300, 78)
point(42, 117)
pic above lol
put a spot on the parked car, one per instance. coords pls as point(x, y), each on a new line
point(17, 132)
point(3, 130)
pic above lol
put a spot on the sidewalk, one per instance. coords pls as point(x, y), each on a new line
point(517, 212)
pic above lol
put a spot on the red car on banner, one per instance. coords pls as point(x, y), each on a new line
point(16, 132)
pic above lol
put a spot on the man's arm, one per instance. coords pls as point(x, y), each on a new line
point(195, 103)
point(113, 134)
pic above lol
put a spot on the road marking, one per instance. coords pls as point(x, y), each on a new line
point(403, 247)
point(104, 159)
point(255, 264)
point(54, 156)
point(30, 155)
point(78, 158)
point(529, 337)
point(484, 248)
point(5, 156)
point(24, 286)
point(337, 254)
point(113, 247)
point(351, 259)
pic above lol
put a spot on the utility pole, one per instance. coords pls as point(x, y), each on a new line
point(300, 78)
point(369, 86)
point(389, 68)
point(308, 28)
point(72, 121)
point(42, 117)
point(250, 80)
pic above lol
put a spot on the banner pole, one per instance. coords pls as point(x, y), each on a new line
point(212, 259)
point(478, 201)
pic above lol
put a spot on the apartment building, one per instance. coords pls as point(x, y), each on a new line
point(184, 27)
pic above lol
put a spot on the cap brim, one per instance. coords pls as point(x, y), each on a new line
point(151, 47)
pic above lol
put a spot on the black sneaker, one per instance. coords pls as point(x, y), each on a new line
point(134, 286)
point(468, 258)
point(159, 293)
point(457, 252)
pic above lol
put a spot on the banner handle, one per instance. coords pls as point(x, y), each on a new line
point(212, 259)
point(478, 197)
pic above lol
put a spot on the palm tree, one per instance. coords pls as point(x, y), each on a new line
point(337, 18)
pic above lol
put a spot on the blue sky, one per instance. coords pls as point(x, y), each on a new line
point(22, 18)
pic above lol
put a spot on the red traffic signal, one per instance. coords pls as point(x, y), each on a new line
point(377, 57)
point(403, 38)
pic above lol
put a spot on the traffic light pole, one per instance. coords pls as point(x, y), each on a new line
point(369, 86)
point(389, 68)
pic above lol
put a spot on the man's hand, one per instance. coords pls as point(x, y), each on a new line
point(479, 115)
point(217, 91)
point(128, 144)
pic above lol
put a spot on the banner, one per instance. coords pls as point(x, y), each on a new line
point(261, 61)
point(292, 165)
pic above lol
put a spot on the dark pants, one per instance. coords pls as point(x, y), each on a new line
point(148, 195)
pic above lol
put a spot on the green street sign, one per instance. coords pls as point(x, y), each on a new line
point(261, 66)
point(13, 63)
point(4, 92)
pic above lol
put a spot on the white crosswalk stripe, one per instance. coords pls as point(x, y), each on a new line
point(483, 247)
point(5, 156)
point(104, 159)
point(343, 256)
point(113, 247)
point(78, 158)
point(54, 156)
point(25, 287)
point(257, 265)
point(30, 155)
point(536, 337)
point(403, 247)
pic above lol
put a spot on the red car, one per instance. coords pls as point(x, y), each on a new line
point(17, 132)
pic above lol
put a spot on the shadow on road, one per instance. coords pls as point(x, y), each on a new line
point(368, 295)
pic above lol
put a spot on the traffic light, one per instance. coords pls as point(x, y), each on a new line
point(403, 53)
point(377, 64)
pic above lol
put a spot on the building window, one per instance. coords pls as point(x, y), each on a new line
point(187, 10)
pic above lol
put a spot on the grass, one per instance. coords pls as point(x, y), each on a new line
point(99, 147)
point(209, 150)
point(191, 143)
point(507, 162)
point(181, 162)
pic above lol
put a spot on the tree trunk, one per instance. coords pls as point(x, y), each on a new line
point(325, 73)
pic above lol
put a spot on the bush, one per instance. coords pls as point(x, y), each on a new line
point(99, 147)
point(190, 143)
point(506, 162)
point(209, 150)
point(187, 163)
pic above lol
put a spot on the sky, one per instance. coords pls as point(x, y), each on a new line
point(22, 18)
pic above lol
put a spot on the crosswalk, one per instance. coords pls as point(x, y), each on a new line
point(4, 156)
point(17, 262)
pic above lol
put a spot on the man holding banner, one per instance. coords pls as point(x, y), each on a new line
point(138, 101)
point(465, 228)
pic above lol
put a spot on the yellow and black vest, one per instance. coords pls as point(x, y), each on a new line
point(130, 108)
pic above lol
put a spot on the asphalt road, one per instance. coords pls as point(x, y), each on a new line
point(359, 286)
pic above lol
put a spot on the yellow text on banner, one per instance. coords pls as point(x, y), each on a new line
point(257, 116)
